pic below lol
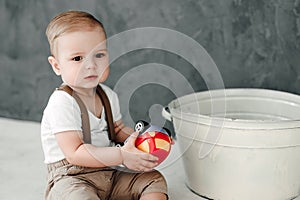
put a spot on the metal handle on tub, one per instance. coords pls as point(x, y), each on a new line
point(166, 114)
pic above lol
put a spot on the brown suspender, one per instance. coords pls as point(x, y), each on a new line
point(85, 117)
point(108, 114)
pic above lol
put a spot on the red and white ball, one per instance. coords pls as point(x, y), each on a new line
point(156, 141)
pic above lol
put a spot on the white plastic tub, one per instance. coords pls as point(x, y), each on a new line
point(239, 144)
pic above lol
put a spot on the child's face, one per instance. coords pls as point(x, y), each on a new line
point(81, 58)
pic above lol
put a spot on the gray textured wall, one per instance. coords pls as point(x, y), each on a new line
point(255, 43)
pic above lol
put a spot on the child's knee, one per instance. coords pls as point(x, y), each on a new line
point(156, 183)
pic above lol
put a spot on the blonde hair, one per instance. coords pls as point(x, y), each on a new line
point(70, 21)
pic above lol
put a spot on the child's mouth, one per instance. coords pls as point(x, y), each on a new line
point(92, 77)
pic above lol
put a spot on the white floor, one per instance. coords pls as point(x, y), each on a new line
point(23, 174)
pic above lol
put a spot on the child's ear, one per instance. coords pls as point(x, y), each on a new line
point(55, 66)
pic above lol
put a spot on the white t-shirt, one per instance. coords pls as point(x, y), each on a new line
point(62, 113)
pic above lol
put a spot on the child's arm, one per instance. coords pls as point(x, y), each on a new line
point(88, 155)
point(122, 131)
point(78, 153)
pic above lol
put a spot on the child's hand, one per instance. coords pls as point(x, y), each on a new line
point(136, 159)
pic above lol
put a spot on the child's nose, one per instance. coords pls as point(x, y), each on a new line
point(89, 64)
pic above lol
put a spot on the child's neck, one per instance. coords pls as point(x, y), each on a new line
point(86, 93)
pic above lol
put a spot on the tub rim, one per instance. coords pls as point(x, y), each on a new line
point(248, 124)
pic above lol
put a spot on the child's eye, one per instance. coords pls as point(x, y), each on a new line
point(100, 55)
point(77, 58)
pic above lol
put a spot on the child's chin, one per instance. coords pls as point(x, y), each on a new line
point(88, 86)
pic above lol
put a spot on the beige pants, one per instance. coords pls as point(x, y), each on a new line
point(66, 181)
